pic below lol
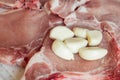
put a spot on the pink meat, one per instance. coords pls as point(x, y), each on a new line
point(105, 10)
point(109, 28)
point(55, 20)
point(73, 76)
point(82, 19)
point(22, 31)
point(64, 7)
point(8, 1)
point(27, 32)
point(32, 4)
point(78, 69)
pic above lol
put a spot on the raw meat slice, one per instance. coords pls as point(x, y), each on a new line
point(32, 4)
point(55, 20)
point(22, 33)
point(40, 60)
point(64, 7)
point(40, 63)
point(44, 65)
point(11, 3)
point(59, 69)
point(83, 19)
point(8, 1)
point(105, 10)
point(111, 30)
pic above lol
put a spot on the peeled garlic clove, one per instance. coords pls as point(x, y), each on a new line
point(94, 37)
point(74, 44)
point(92, 53)
point(61, 33)
point(60, 49)
point(80, 32)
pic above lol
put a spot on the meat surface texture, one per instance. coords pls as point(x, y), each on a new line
point(64, 7)
point(80, 19)
point(105, 10)
point(25, 28)
point(22, 32)
point(53, 67)
point(55, 20)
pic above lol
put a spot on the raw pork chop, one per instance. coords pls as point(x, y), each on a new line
point(45, 65)
point(22, 32)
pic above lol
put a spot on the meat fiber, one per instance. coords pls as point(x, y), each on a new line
point(23, 39)
point(10, 3)
point(55, 20)
point(109, 28)
point(105, 10)
point(22, 31)
point(64, 7)
point(7, 2)
point(78, 18)
point(25, 34)
point(45, 65)
point(32, 4)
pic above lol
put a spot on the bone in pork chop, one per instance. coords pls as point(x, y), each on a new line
point(56, 68)
point(33, 26)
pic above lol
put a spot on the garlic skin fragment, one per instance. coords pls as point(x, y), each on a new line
point(92, 53)
point(94, 37)
point(61, 33)
point(74, 44)
point(60, 49)
point(80, 32)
